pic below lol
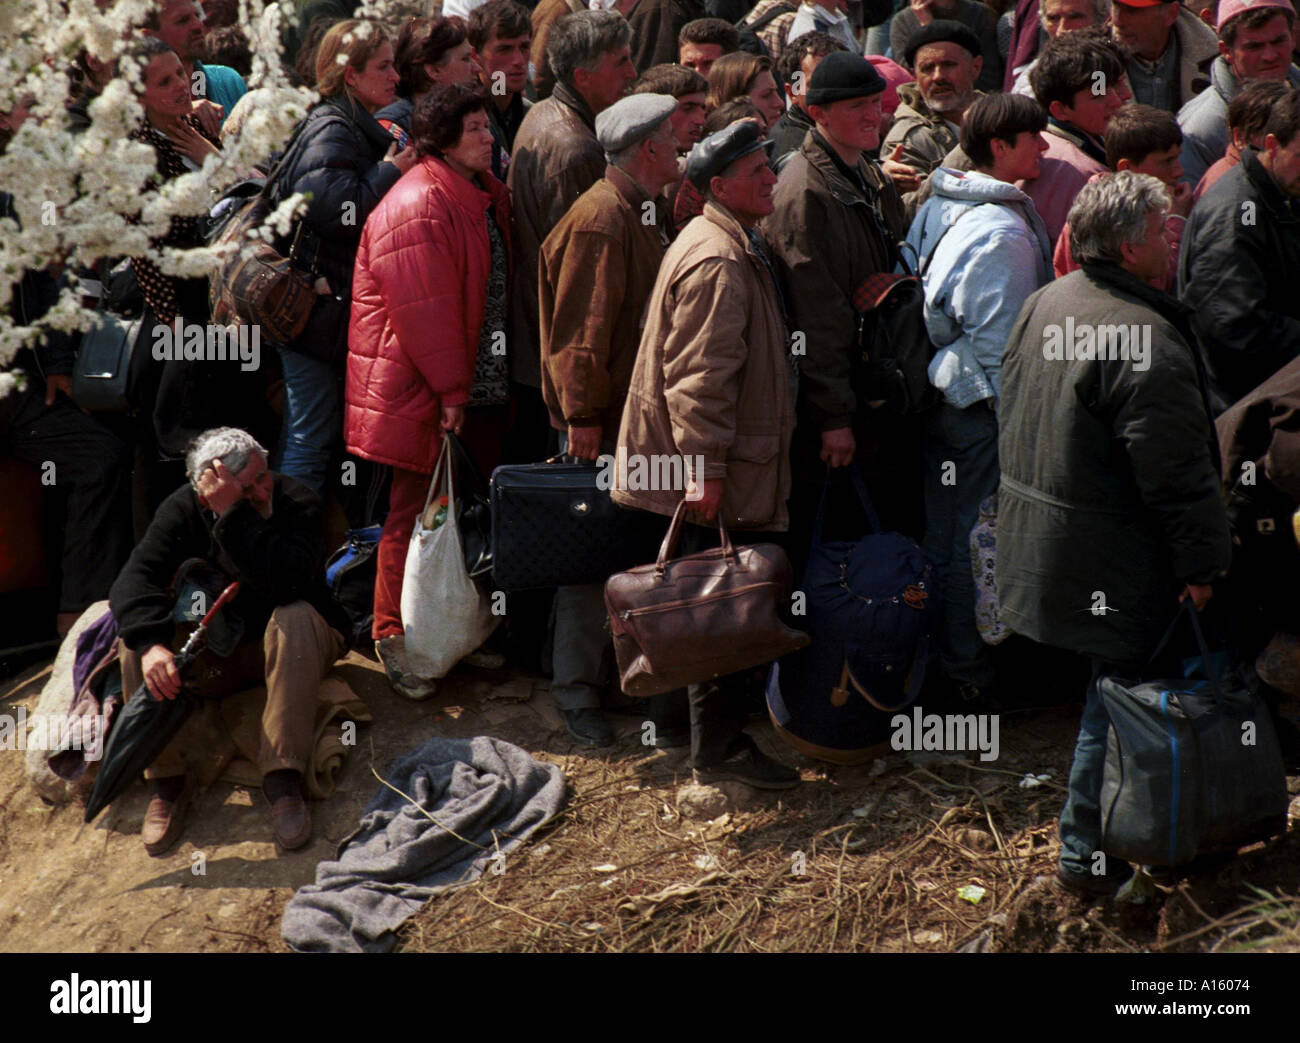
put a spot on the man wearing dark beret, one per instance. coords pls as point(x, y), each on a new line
point(837, 219)
point(917, 15)
point(946, 58)
point(713, 385)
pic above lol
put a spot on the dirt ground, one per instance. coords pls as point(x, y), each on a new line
point(929, 852)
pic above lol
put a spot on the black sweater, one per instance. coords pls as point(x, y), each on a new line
point(276, 560)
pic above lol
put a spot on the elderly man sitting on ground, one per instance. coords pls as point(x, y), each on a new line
point(264, 530)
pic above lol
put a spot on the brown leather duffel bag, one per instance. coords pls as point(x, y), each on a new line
point(686, 620)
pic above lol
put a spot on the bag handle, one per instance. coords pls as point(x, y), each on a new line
point(465, 465)
point(444, 474)
point(1188, 607)
point(864, 498)
point(668, 549)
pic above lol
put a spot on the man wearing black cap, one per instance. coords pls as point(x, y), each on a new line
point(713, 384)
point(836, 221)
point(946, 58)
point(977, 17)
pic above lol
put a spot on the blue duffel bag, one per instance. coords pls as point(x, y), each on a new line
point(1193, 767)
point(872, 610)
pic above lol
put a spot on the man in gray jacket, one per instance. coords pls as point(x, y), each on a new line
point(1109, 509)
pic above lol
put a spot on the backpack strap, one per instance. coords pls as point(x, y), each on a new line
point(769, 16)
point(925, 264)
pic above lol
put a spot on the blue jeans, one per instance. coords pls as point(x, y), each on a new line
point(313, 419)
point(1080, 822)
point(966, 439)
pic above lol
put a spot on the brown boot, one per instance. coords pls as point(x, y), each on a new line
point(290, 818)
point(164, 819)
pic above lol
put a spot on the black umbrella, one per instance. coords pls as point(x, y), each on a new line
point(145, 725)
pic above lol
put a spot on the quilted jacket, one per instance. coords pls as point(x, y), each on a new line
point(418, 294)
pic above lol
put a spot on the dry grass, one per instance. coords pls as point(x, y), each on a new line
point(886, 856)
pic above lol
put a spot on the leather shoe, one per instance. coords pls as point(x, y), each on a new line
point(1090, 886)
point(751, 766)
point(164, 820)
point(290, 822)
point(588, 726)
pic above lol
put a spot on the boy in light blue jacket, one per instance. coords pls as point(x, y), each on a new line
point(983, 250)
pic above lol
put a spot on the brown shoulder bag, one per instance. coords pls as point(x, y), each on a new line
point(687, 620)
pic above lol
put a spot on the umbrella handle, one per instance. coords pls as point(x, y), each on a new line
point(195, 641)
point(227, 596)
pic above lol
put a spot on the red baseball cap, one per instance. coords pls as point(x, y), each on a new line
point(1230, 9)
point(1144, 3)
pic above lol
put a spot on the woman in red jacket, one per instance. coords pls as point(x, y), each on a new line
point(426, 338)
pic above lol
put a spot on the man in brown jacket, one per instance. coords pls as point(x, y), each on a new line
point(597, 269)
point(556, 158)
point(713, 383)
point(836, 223)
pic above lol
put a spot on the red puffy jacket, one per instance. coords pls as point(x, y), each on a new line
point(418, 294)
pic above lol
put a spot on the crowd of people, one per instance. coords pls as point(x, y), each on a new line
point(642, 228)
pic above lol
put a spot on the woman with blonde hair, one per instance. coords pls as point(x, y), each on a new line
point(345, 161)
point(749, 76)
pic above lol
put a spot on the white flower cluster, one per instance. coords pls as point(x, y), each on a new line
point(92, 195)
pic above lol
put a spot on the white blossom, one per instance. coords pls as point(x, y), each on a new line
point(81, 198)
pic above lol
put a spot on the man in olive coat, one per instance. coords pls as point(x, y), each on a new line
point(1109, 510)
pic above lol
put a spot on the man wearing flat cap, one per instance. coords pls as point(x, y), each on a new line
point(946, 58)
point(597, 267)
point(837, 219)
point(713, 384)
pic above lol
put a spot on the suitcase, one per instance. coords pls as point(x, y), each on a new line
point(554, 525)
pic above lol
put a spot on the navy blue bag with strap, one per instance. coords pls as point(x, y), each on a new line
point(873, 613)
point(1192, 766)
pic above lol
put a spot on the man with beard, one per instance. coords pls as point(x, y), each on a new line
point(946, 57)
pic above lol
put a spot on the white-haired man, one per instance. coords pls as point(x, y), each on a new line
point(264, 530)
point(1109, 486)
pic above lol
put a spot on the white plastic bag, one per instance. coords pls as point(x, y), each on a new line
point(445, 614)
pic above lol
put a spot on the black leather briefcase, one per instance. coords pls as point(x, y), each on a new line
point(554, 526)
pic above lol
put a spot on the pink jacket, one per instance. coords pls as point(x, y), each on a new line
point(1065, 168)
point(418, 294)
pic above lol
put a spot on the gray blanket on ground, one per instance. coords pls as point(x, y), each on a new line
point(485, 790)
